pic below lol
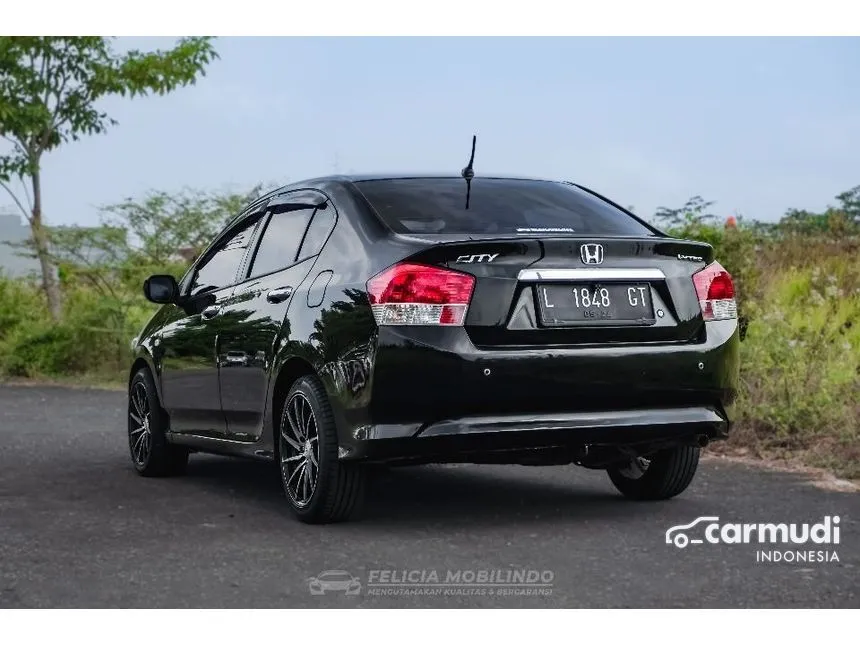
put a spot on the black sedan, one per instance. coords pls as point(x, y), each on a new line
point(343, 322)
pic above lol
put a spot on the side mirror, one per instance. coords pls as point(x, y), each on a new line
point(161, 289)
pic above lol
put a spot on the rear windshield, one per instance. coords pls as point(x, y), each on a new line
point(503, 206)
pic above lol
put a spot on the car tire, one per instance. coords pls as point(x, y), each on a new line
point(328, 490)
point(151, 453)
point(667, 474)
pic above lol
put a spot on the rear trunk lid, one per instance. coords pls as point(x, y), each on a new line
point(569, 290)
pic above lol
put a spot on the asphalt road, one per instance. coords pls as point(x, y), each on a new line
point(79, 528)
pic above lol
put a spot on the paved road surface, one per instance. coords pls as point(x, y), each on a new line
point(78, 528)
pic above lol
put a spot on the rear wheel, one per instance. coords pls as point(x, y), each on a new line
point(319, 487)
point(151, 453)
point(662, 475)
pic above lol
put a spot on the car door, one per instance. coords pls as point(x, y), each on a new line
point(259, 305)
point(187, 346)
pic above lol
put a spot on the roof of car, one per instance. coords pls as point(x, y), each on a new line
point(359, 177)
point(420, 175)
point(319, 182)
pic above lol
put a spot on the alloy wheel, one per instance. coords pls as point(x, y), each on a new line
point(299, 450)
point(139, 428)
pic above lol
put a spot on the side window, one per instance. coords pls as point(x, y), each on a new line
point(220, 269)
point(280, 243)
point(320, 227)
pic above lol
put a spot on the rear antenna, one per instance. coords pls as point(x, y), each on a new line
point(467, 172)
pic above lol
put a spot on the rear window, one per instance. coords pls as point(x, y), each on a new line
point(504, 206)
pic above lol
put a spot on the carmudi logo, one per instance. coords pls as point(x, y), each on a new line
point(709, 530)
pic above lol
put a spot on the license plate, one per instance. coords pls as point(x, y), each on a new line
point(595, 304)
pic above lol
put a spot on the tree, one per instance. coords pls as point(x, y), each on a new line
point(849, 203)
point(160, 233)
point(49, 93)
point(162, 225)
point(837, 221)
point(695, 211)
point(803, 222)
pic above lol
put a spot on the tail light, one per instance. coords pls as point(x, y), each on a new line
point(716, 293)
point(415, 294)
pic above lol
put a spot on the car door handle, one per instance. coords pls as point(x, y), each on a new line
point(210, 312)
point(279, 295)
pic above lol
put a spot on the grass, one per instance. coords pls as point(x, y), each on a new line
point(117, 382)
point(800, 366)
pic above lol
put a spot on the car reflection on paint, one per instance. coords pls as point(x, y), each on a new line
point(334, 580)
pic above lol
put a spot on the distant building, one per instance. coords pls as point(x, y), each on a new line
point(13, 261)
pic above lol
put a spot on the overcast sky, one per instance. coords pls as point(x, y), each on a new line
point(758, 125)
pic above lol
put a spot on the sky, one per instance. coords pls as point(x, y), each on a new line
point(756, 125)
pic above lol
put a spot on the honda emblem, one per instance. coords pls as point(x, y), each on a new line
point(591, 253)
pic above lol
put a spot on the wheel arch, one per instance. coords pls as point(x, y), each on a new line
point(290, 371)
point(144, 362)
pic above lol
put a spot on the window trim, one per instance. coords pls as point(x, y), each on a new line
point(255, 207)
point(238, 222)
point(330, 205)
point(294, 195)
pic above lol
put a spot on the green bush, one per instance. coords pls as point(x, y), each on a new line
point(20, 301)
point(93, 337)
point(41, 349)
point(800, 365)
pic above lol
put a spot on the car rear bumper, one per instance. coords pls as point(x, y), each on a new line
point(434, 396)
point(476, 438)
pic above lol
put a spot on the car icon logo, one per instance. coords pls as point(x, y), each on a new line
point(591, 253)
point(334, 580)
point(677, 535)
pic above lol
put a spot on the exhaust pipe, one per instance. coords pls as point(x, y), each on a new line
point(703, 440)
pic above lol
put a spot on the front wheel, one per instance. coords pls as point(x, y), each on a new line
point(151, 453)
point(319, 487)
point(662, 475)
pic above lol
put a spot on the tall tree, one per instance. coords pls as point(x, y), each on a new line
point(49, 93)
point(160, 233)
point(160, 227)
point(694, 211)
point(849, 203)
